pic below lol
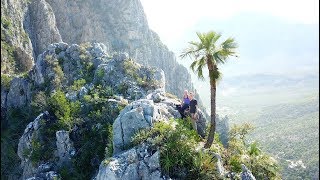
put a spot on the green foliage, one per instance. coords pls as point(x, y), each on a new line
point(10, 135)
point(60, 106)
point(39, 102)
point(59, 76)
point(77, 84)
point(180, 159)
point(98, 107)
point(6, 81)
point(131, 68)
point(91, 148)
point(240, 131)
point(6, 22)
point(87, 69)
point(109, 147)
point(122, 88)
point(240, 152)
point(99, 76)
point(7, 57)
point(57, 80)
point(36, 152)
point(178, 155)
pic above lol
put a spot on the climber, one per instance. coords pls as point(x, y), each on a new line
point(185, 104)
point(193, 111)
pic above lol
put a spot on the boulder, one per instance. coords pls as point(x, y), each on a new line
point(125, 126)
point(19, 94)
point(25, 145)
point(130, 165)
point(65, 149)
point(246, 173)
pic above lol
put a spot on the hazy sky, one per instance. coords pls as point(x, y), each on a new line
point(274, 36)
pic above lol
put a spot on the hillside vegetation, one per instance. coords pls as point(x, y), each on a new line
point(285, 112)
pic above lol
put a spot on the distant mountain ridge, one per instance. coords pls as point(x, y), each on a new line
point(269, 80)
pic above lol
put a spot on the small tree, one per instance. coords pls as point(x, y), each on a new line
point(208, 53)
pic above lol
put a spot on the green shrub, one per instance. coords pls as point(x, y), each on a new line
point(8, 62)
point(77, 84)
point(60, 106)
point(39, 102)
point(91, 148)
point(10, 134)
point(178, 155)
point(6, 81)
point(99, 76)
point(241, 152)
point(109, 147)
point(122, 88)
point(130, 68)
point(6, 22)
point(59, 76)
point(36, 152)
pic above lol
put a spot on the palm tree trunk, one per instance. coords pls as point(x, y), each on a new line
point(213, 110)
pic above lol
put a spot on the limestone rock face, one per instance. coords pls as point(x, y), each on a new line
point(130, 78)
point(139, 115)
point(31, 134)
point(131, 120)
point(40, 23)
point(142, 114)
point(136, 163)
point(123, 28)
point(16, 47)
point(120, 25)
point(19, 93)
point(62, 64)
point(65, 147)
point(246, 173)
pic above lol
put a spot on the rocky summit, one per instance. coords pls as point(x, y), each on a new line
point(31, 26)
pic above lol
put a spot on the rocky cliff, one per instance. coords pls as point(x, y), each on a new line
point(86, 88)
point(120, 25)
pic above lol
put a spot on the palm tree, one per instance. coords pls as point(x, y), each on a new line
point(208, 53)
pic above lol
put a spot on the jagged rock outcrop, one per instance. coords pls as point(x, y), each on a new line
point(27, 145)
point(123, 28)
point(121, 25)
point(139, 79)
point(246, 173)
point(142, 114)
point(40, 24)
point(65, 149)
point(59, 67)
point(134, 164)
point(62, 64)
point(31, 141)
point(19, 94)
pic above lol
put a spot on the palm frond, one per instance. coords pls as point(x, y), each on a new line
point(229, 44)
point(213, 38)
point(193, 64)
point(200, 71)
